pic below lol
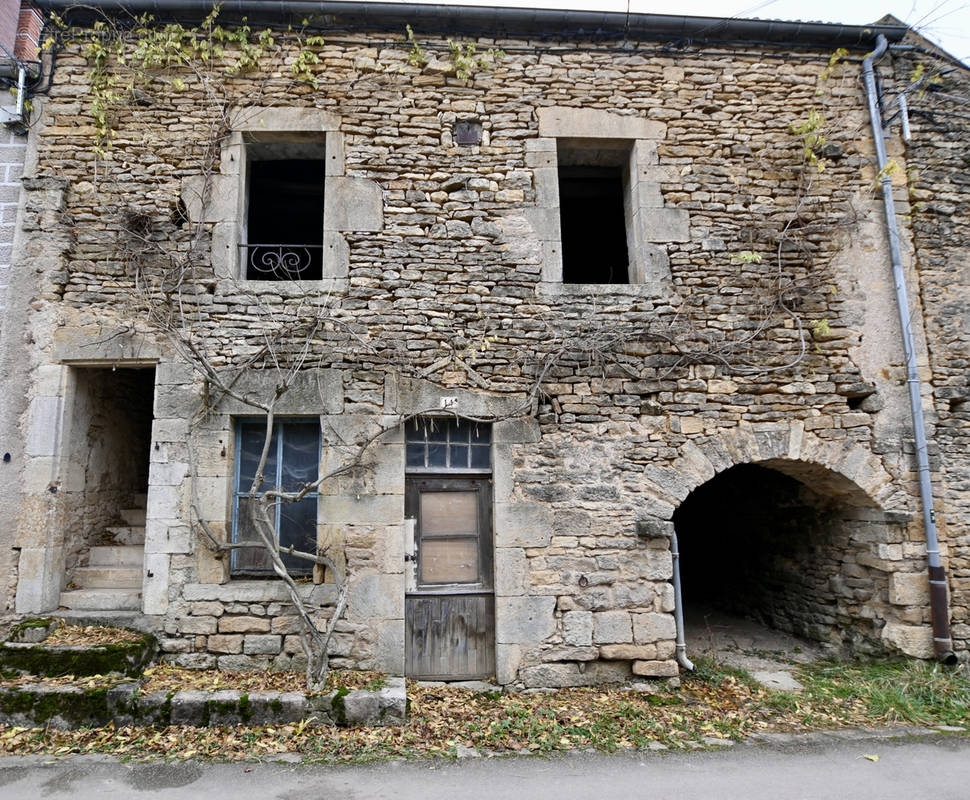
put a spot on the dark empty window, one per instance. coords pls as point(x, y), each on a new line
point(594, 243)
point(285, 219)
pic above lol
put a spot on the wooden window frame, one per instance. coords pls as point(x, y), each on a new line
point(415, 485)
point(304, 567)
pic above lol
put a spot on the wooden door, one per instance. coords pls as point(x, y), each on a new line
point(449, 604)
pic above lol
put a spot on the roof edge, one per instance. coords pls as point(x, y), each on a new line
point(496, 22)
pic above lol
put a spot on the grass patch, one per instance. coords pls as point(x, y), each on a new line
point(917, 692)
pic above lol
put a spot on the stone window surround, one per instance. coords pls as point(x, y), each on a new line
point(350, 203)
point(649, 223)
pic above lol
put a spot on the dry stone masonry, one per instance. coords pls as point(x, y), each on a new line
point(756, 327)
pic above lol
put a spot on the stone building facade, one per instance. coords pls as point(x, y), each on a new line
point(605, 285)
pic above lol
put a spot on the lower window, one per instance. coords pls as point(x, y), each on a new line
point(292, 462)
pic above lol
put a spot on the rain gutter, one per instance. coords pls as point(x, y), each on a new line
point(939, 609)
point(452, 19)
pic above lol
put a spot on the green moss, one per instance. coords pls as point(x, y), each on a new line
point(337, 710)
point(129, 658)
point(245, 709)
point(89, 707)
point(30, 624)
point(276, 705)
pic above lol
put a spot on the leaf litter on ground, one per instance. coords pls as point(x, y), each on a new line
point(715, 703)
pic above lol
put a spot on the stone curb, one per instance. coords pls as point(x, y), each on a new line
point(70, 706)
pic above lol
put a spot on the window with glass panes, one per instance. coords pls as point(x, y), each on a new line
point(448, 495)
point(292, 462)
point(439, 444)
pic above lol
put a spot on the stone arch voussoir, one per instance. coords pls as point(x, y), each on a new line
point(842, 469)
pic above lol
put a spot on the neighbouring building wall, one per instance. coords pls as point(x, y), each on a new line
point(19, 33)
point(761, 331)
point(939, 195)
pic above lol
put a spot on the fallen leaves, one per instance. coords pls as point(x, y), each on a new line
point(90, 635)
point(444, 720)
point(167, 678)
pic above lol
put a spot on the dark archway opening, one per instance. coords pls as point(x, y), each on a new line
point(759, 544)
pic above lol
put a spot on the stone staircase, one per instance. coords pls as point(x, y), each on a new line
point(110, 578)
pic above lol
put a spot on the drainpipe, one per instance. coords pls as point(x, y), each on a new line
point(682, 658)
point(942, 643)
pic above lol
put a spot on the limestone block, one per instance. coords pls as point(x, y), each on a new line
point(507, 660)
point(367, 510)
point(244, 624)
point(201, 626)
point(570, 654)
point(167, 536)
point(656, 669)
point(524, 620)
point(577, 628)
point(262, 644)
point(282, 119)
point(39, 585)
point(665, 225)
point(612, 627)
point(591, 123)
point(389, 654)
point(909, 589)
point(353, 204)
point(652, 528)
point(516, 431)
point(155, 584)
point(376, 596)
point(219, 643)
point(336, 255)
point(545, 224)
point(650, 628)
point(912, 640)
point(522, 525)
point(311, 391)
point(628, 652)
point(42, 432)
point(511, 572)
point(171, 473)
point(556, 676)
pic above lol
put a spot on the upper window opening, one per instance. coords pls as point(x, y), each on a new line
point(448, 445)
point(593, 213)
point(284, 210)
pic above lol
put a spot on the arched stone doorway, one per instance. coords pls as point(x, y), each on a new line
point(809, 535)
point(760, 544)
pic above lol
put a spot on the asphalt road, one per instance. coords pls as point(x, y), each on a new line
point(907, 769)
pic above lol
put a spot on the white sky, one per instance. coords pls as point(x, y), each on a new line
point(946, 22)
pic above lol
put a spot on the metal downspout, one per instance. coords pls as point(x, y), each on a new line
point(942, 643)
point(682, 658)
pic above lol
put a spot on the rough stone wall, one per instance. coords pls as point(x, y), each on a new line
point(940, 199)
point(452, 286)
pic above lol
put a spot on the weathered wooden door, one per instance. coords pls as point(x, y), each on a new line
point(449, 605)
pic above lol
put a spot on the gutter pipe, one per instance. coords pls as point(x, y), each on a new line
point(681, 650)
point(942, 642)
point(453, 19)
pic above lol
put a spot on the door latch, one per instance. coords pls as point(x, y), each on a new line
point(410, 556)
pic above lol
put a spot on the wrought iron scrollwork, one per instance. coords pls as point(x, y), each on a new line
point(283, 262)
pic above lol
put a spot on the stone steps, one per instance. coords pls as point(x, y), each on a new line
point(103, 577)
point(102, 599)
point(133, 516)
point(111, 578)
point(132, 555)
point(127, 534)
